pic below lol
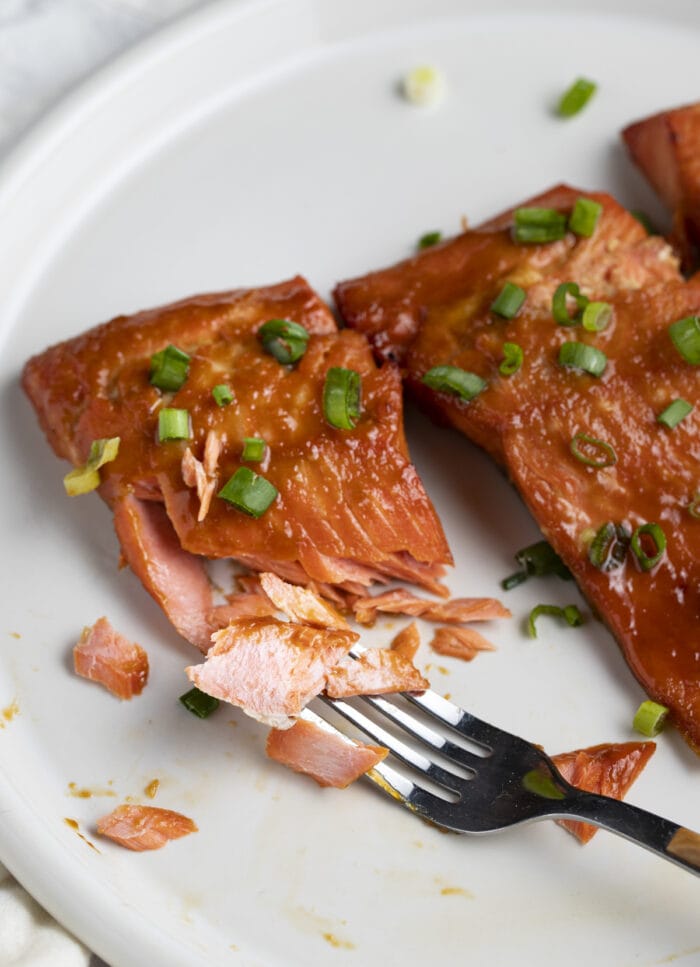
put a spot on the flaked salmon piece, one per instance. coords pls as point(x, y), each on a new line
point(300, 604)
point(330, 759)
point(271, 669)
point(402, 601)
point(435, 311)
point(350, 508)
point(464, 643)
point(246, 604)
point(608, 769)
point(174, 578)
point(202, 474)
point(144, 827)
point(407, 641)
point(665, 147)
point(376, 671)
point(105, 656)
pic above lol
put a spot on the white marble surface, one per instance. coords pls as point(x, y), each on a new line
point(46, 48)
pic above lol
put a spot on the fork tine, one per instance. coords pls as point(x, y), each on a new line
point(406, 753)
point(458, 719)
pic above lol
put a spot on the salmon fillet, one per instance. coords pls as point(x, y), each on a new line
point(328, 758)
point(142, 828)
point(350, 508)
point(608, 769)
point(434, 310)
point(105, 656)
point(666, 147)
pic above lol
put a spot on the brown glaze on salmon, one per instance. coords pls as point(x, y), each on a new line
point(269, 668)
point(528, 420)
point(144, 827)
point(105, 656)
point(330, 759)
point(666, 148)
point(608, 769)
point(375, 672)
point(351, 509)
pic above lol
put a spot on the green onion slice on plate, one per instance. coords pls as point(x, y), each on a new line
point(650, 718)
point(575, 98)
point(199, 703)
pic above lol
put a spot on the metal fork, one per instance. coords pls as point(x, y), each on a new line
point(500, 780)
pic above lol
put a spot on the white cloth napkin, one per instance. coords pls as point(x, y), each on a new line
point(28, 935)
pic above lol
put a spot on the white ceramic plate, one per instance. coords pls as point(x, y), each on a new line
point(245, 144)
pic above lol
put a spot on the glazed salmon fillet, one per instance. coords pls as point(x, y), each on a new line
point(666, 147)
point(434, 310)
point(350, 508)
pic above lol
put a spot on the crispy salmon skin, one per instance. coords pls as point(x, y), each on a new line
point(350, 508)
point(435, 310)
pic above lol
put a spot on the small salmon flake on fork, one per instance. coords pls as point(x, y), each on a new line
point(300, 604)
point(105, 656)
point(330, 759)
point(403, 601)
point(142, 828)
point(271, 669)
point(376, 671)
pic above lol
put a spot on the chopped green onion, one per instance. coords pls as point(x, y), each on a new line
point(538, 225)
point(540, 559)
point(512, 359)
point(685, 336)
point(560, 309)
point(654, 533)
point(608, 549)
point(596, 316)
point(284, 339)
point(576, 97)
point(694, 506)
point(341, 397)
point(542, 785)
point(222, 394)
point(424, 85)
point(429, 239)
point(173, 424)
point(513, 580)
point(199, 703)
point(83, 479)
point(169, 369)
point(253, 449)
point(606, 458)
point(578, 355)
point(650, 718)
point(452, 379)
point(249, 492)
point(644, 220)
point(570, 614)
point(509, 300)
point(584, 218)
point(673, 414)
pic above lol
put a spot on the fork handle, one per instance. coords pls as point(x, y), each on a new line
point(675, 843)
